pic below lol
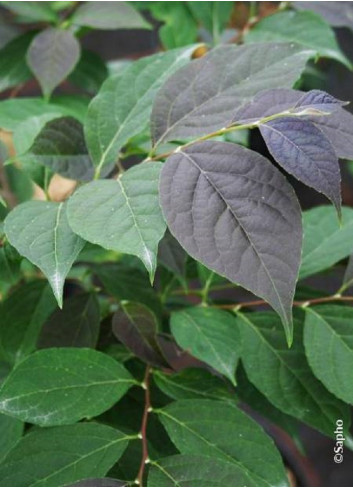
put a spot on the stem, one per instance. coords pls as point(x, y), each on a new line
point(143, 432)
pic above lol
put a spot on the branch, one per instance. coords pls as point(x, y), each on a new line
point(143, 432)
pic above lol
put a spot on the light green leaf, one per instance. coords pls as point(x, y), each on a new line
point(123, 106)
point(328, 340)
point(62, 455)
point(325, 241)
point(223, 432)
point(11, 431)
point(13, 71)
point(306, 28)
point(210, 335)
point(23, 314)
point(40, 232)
point(122, 215)
point(63, 385)
point(284, 376)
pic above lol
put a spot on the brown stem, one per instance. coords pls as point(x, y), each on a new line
point(143, 432)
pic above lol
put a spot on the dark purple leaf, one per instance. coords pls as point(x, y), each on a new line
point(235, 212)
point(317, 100)
point(172, 255)
point(348, 274)
point(303, 151)
point(338, 14)
point(178, 358)
point(338, 128)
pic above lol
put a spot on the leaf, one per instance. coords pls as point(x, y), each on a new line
point(193, 383)
point(284, 376)
point(13, 70)
point(77, 324)
point(348, 274)
point(52, 56)
point(11, 431)
point(196, 471)
point(325, 241)
point(90, 72)
point(60, 146)
point(338, 128)
point(104, 482)
point(136, 327)
point(238, 216)
point(213, 15)
point(302, 150)
point(306, 28)
point(23, 313)
point(209, 335)
point(332, 363)
point(122, 215)
point(63, 385)
point(109, 15)
point(172, 255)
point(36, 11)
point(41, 233)
point(10, 273)
point(203, 96)
point(218, 430)
point(338, 14)
point(123, 106)
point(62, 455)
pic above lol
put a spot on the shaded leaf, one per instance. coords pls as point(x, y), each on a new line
point(305, 28)
point(63, 385)
point(210, 335)
point(214, 16)
point(123, 106)
point(122, 215)
point(90, 72)
point(136, 327)
point(62, 455)
point(177, 358)
point(225, 78)
point(40, 232)
point(172, 255)
point(104, 482)
point(330, 327)
point(13, 70)
point(23, 314)
point(52, 56)
point(348, 274)
point(10, 273)
point(11, 431)
point(109, 15)
point(218, 430)
point(284, 376)
point(325, 241)
point(240, 218)
point(36, 11)
point(77, 324)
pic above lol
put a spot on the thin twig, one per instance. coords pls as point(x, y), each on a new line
point(143, 432)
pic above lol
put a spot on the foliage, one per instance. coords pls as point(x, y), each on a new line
point(129, 339)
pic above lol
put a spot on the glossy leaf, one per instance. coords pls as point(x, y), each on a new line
point(284, 376)
point(77, 324)
point(122, 215)
point(11, 431)
point(210, 335)
point(60, 146)
point(63, 385)
point(23, 314)
point(225, 78)
point(136, 327)
point(13, 70)
point(109, 15)
point(196, 471)
point(330, 327)
point(40, 232)
point(240, 218)
point(302, 150)
point(52, 56)
point(62, 455)
point(123, 106)
point(218, 430)
point(305, 28)
point(325, 241)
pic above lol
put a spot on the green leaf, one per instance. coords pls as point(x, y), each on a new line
point(122, 215)
point(35, 11)
point(196, 471)
point(20, 326)
point(325, 241)
point(52, 56)
point(328, 340)
point(284, 376)
point(123, 106)
point(40, 232)
point(76, 324)
point(90, 72)
point(109, 15)
point(193, 383)
point(10, 273)
point(63, 385)
point(62, 455)
point(13, 70)
point(11, 431)
point(210, 335)
point(223, 432)
point(306, 28)
point(136, 327)
point(213, 15)
point(102, 482)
